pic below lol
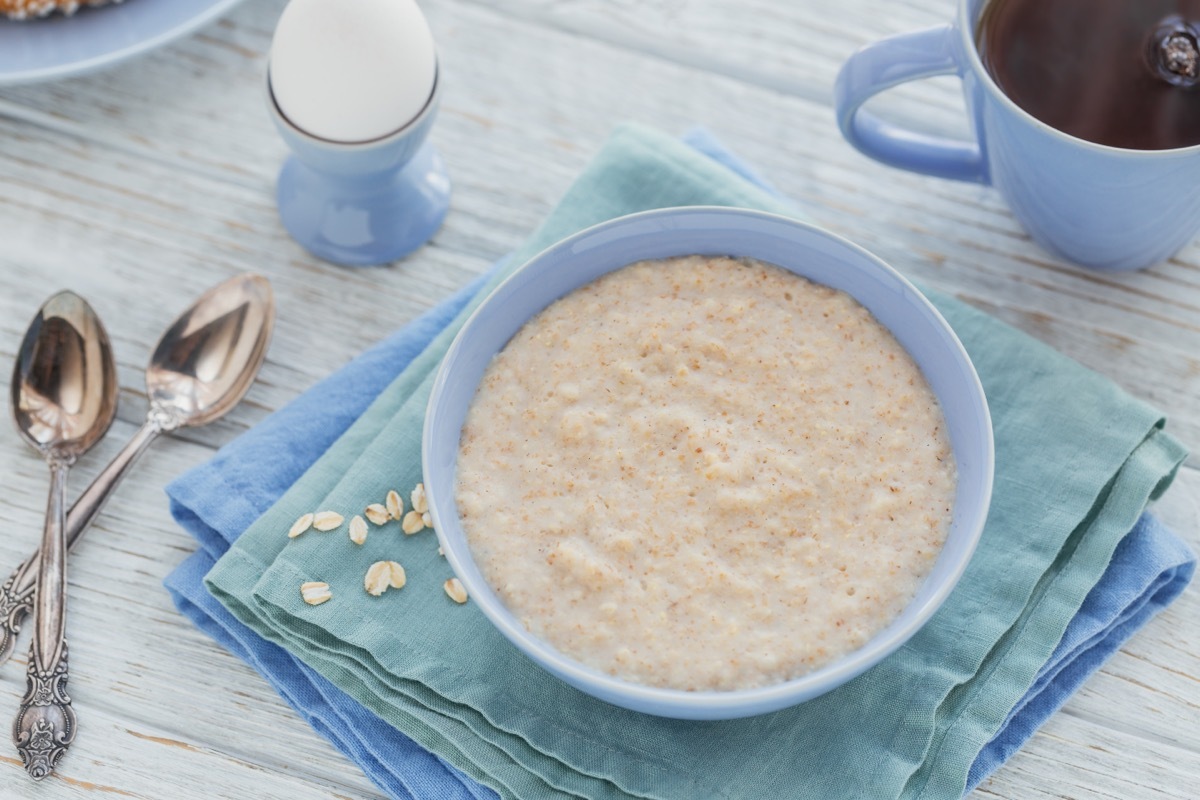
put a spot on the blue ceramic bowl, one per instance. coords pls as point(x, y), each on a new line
point(802, 249)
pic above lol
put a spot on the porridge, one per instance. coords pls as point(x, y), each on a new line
point(705, 473)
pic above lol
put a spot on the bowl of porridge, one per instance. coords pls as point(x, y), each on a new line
point(707, 463)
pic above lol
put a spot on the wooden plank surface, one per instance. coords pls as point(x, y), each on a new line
point(141, 186)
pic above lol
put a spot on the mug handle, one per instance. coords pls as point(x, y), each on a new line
point(890, 62)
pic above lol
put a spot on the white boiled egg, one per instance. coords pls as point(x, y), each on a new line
point(352, 70)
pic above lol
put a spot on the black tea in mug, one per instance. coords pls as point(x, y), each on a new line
point(1123, 73)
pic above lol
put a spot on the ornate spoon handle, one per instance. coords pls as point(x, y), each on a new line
point(45, 725)
point(16, 596)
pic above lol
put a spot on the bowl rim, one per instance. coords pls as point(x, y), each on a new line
point(680, 703)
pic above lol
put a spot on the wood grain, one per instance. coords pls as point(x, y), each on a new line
point(141, 186)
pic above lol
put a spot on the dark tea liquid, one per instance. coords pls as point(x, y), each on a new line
point(1115, 72)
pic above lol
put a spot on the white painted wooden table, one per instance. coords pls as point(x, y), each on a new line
point(141, 186)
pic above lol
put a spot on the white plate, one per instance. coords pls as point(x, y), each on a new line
point(95, 38)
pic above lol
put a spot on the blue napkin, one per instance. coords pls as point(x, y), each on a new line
point(1149, 569)
point(217, 501)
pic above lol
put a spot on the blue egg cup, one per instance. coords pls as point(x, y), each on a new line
point(362, 203)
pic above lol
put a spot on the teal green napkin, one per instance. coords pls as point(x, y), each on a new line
point(1076, 462)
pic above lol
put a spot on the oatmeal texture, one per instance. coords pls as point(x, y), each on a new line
point(705, 473)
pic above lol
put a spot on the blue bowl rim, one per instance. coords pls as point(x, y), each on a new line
point(678, 703)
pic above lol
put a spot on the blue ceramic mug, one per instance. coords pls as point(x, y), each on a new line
point(1104, 207)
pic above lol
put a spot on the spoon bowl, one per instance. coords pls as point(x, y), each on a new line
point(64, 386)
point(205, 362)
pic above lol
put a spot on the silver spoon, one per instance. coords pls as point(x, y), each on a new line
point(64, 397)
point(201, 368)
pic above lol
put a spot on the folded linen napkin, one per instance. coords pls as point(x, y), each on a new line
point(1076, 462)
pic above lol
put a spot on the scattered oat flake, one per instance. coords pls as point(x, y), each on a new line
point(395, 506)
point(419, 501)
point(377, 514)
point(377, 579)
point(412, 522)
point(441, 553)
point(327, 520)
point(397, 577)
point(427, 520)
point(315, 592)
point(358, 529)
point(455, 590)
point(300, 526)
